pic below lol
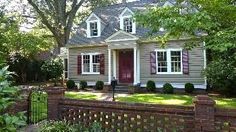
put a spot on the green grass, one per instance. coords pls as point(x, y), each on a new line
point(172, 99)
point(225, 102)
point(77, 95)
point(166, 99)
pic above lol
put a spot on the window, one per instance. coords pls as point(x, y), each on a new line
point(175, 61)
point(65, 68)
point(162, 61)
point(91, 63)
point(128, 25)
point(169, 61)
point(93, 29)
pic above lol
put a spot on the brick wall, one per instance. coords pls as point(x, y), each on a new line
point(115, 116)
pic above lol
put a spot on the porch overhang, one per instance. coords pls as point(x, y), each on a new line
point(122, 40)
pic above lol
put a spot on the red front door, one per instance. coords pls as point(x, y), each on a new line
point(126, 67)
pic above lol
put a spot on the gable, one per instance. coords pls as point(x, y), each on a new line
point(126, 12)
point(93, 17)
point(121, 36)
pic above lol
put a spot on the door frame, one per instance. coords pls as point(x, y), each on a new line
point(131, 67)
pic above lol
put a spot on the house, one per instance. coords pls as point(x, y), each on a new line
point(109, 43)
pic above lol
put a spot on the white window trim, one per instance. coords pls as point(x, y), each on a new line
point(90, 64)
point(122, 17)
point(169, 61)
point(88, 31)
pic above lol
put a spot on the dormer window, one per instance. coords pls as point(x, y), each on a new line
point(93, 26)
point(128, 25)
point(93, 29)
point(126, 22)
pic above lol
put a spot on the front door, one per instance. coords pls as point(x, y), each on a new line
point(126, 67)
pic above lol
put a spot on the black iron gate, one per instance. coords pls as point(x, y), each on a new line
point(38, 104)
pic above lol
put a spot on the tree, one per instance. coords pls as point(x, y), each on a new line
point(209, 21)
point(58, 15)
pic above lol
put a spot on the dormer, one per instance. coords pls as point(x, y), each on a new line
point(127, 23)
point(93, 26)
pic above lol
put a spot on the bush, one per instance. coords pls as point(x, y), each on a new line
point(151, 86)
point(64, 126)
point(168, 88)
point(53, 68)
point(83, 85)
point(189, 88)
point(99, 85)
point(70, 84)
point(8, 95)
point(221, 75)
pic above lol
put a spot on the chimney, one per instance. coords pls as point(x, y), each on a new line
point(123, 1)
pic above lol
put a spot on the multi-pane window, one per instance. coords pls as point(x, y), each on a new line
point(175, 61)
point(86, 63)
point(162, 61)
point(65, 68)
point(91, 63)
point(128, 25)
point(93, 29)
point(169, 61)
point(96, 63)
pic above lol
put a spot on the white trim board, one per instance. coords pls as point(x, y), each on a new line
point(132, 37)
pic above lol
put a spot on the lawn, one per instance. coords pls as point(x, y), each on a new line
point(165, 99)
point(77, 95)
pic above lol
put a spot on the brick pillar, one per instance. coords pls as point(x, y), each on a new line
point(204, 114)
point(54, 96)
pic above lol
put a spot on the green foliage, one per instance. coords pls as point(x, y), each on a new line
point(214, 20)
point(12, 40)
point(221, 74)
point(83, 84)
point(189, 87)
point(8, 95)
point(151, 86)
point(53, 68)
point(65, 126)
point(99, 85)
point(168, 88)
point(70, 84)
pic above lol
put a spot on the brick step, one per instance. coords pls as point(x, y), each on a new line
point(121, 89)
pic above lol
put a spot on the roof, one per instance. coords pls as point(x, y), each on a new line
point(110, 16)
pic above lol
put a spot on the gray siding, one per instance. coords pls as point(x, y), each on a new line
point(74, 52)
point(196, 65)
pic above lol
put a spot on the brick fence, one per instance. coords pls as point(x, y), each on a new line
point(117, 116)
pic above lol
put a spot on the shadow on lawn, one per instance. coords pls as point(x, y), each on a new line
point(76, 95)
point(167, 99)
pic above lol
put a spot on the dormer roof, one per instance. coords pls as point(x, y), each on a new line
point(109, 16)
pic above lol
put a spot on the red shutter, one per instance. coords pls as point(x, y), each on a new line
point(79, 63)
point(153, 62)
point(185, 61)
point(102, 64)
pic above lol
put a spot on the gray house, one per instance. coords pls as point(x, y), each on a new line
point(110, 44)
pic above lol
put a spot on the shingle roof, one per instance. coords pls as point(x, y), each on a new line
point(110, 16)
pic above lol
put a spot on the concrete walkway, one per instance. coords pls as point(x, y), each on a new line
point(104, 96)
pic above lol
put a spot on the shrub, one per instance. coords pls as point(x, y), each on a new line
point(99, 85)
point(151, 86)
point(70, 84)
point(221, 75)
point(64, 126)
point(168, 88)
point(83, 84)
point(53, 68)
point(189, 87)
point(8, 95)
